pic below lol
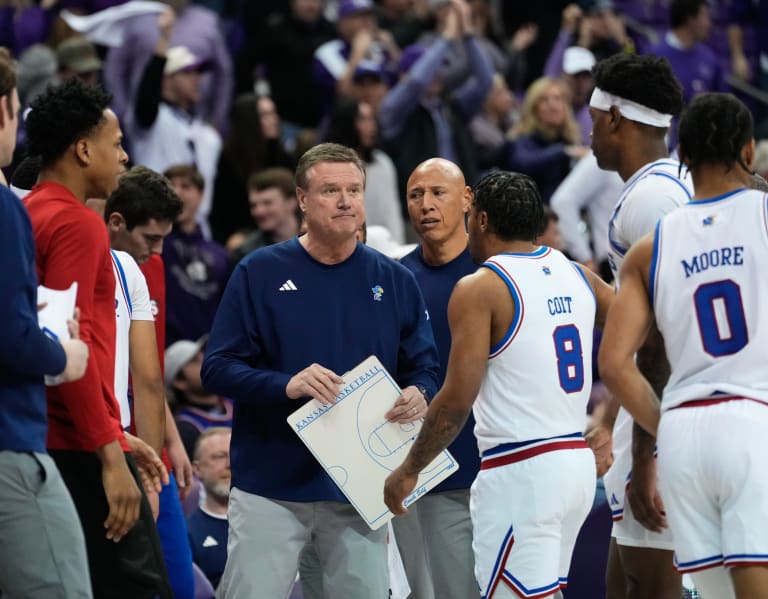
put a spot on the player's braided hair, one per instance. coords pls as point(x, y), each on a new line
point(645, 79)
point(513, 204)
point(61, 115)
point(714, 129)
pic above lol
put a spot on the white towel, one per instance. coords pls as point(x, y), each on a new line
point(107, 27)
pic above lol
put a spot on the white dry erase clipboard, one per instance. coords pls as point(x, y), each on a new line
point(356, 445)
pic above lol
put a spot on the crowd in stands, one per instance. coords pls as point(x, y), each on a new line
point(224, 96)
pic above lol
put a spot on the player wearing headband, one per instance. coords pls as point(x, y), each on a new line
point(634, 101)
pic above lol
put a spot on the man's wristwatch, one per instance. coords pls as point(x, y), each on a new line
point(423, 391)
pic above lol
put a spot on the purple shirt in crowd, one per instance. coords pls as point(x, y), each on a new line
point(330, 62)
point(403, 99)
point(697, 68)
point(196, 272)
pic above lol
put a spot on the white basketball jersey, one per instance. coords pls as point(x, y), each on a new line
point(539, 377)
point(649, 194)
point(653, 191)
point(709, 290)
point(131, 303)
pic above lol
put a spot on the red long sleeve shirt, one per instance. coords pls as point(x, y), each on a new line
point(72, 245)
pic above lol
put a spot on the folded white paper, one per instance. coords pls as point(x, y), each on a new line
point(59, 308)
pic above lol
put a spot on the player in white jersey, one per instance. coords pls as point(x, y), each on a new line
point(701, 275)
point(132, 306)
point(138, 214)
point(521, 330)
point(633, 103)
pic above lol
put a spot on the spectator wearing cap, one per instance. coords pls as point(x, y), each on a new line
point(167, 130)
point(284, 47)
point(695, 64)
point(577, 74)
point(196, 268)
point(370, 83)
point(36, 69)
point(194, 408)
point(591, 24)
point(195, 27)
point(418, 119)
point(359, 38)
point(77, 58)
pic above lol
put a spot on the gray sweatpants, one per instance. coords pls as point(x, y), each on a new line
point(407, 531)
point(266, 537)
point(42, 548)
point(447, 530)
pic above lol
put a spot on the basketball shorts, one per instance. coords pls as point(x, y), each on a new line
point(712, 473)
point(626, 529)
point(526, 516)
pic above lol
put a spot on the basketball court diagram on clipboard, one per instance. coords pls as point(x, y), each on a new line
point(358, 447)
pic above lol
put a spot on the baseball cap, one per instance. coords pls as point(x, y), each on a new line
point(369, 68)
point(577, 60)
point(181, 58)
point(178, 355)
point(351, 7)
point(35, 70)
point(78, 54)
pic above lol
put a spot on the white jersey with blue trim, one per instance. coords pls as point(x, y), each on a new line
point(131, 303)
point(653, 191)
point(708, 289)
point(539, 377)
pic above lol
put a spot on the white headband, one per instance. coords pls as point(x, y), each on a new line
point(629, 109)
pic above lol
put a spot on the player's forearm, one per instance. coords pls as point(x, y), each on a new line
point(610, 412)
point(149, 412)
point(441, 426)
point(634, 392)
point(652, 361)
point(171, 431)
point(643, 444)
point(111, 454)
